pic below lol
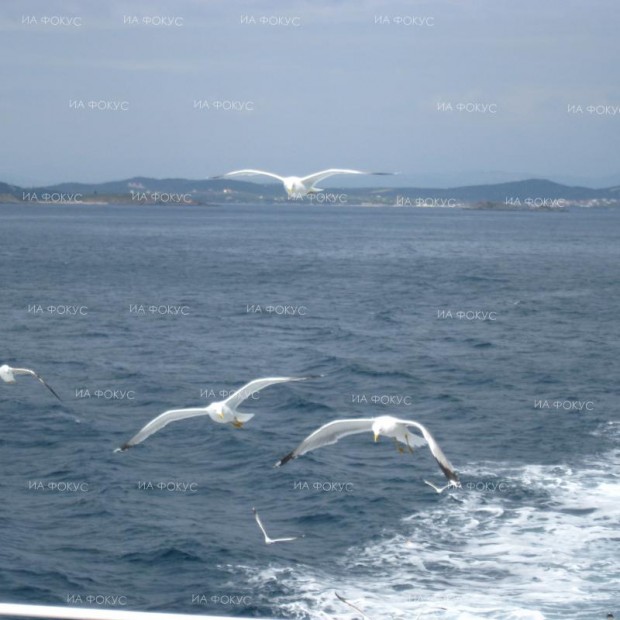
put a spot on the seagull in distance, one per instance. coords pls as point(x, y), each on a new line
point(385, 425)
point(299, 186)
point(344, 600)
point(271, 541)
point(7, 374)
point(222, 412)
point(439, 489)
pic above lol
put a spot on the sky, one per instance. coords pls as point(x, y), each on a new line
point(447, 92)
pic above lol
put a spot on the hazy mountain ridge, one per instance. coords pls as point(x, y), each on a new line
point(216, 191)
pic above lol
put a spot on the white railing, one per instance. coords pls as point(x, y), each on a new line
point(80, 613)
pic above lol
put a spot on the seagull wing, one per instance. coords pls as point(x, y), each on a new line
point(235, 399)
point(251, 173)
point(327, 435)
point(160, 421)
point(442, 460)
point(268, 540)
point(260, 524)
point(32, 373)
point(317, 177)
point(438, 489)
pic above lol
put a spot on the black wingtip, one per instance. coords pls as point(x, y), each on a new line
point(50, 388)
point(123, 448)
point(285, 459)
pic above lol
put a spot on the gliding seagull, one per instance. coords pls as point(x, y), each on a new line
point(7, 374)
point(270, 541)
point(383, 425)
point(222, 412)
point(298, 186)
point(439, 489)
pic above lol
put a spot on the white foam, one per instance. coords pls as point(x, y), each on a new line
point(540, 549)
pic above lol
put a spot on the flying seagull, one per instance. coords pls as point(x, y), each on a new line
point(439, 489)
point(270, 541)
point(344, 600)
point(386, 425)
point(222, 412)
point(298, 186)
point(7, 374)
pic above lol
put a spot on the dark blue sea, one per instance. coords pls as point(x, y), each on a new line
point(498, 331)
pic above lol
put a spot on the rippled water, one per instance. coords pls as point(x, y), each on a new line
point(499, 331)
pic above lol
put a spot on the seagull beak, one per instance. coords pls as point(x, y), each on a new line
point(376, 437)
point(221, 414)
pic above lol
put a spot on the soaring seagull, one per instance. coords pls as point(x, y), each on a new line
point(385, 425)
point(222, 412)
point(270, 541)
point(298, 186)
point(7, 374)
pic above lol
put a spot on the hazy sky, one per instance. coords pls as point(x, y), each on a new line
point(322, 83)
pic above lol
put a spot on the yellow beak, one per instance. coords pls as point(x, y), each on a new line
point(376, 437)
point(221, 414)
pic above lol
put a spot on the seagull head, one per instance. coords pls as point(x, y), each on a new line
point(295, 187)
point(216, 410)
point(377, 430)
point(6, 373)
point(383, 425)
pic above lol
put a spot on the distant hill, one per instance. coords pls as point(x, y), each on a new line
point(218, 191)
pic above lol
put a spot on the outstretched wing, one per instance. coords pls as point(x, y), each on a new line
point(327, 435)
point(260, 524)
point(442, 460)
point(235, 399)
point(268, 540)
point(32, 373)
point(160, 421)
point(249, 172)
point(317, 177)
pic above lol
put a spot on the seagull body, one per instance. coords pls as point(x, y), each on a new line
point(222, 412)
point(270, 541)
point(8, 374)
point(385, 425)
point(297, 187)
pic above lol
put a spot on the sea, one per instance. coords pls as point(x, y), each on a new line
point(499, 331)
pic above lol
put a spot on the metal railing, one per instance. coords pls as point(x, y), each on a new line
point(81, 613)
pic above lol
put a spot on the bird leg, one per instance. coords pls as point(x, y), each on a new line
point(400, 449)
point(408, 445)
point(237, 424)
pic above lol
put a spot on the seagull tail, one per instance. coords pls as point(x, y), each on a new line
point(285, 459)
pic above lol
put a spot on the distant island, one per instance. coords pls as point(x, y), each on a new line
point(526, 194)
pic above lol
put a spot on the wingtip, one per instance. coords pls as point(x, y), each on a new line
point(285, 459)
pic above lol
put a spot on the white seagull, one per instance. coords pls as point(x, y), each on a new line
point(383, 425)
point(438, 489)
point(7, 374)
point(271, 541)
point(222, 412)
point(298, 186)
